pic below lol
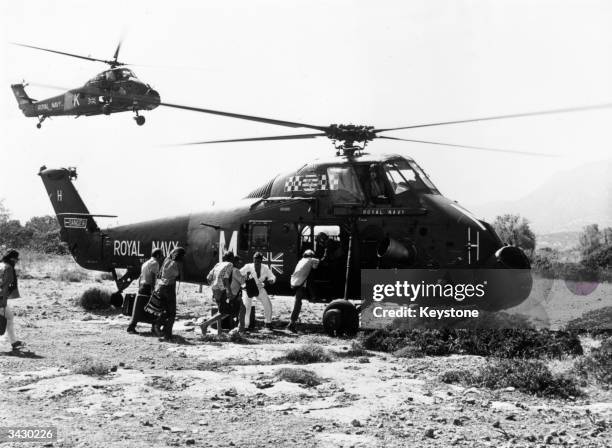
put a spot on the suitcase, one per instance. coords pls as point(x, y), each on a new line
point(128, 304)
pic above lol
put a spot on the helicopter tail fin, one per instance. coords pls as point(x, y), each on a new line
point(21, 95)
point(72, 214)
point(24, 101)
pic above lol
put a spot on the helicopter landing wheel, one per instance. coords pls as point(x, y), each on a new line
point(140, 120)
point(38, 125)
point(106, 109)
point(341, 318)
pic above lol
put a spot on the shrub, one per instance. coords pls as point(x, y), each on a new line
point(105, 276)
point(355, 350)
point(594, 321)
point(300, 376)
point(308, 354)
point(598, 364)
point(95, 299)
point(528, 376)
point(503, 343)
point(72, 275)
point(92, 367)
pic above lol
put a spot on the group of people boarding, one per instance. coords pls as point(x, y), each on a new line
point(234, 287)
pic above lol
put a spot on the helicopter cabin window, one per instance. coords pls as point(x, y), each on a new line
point(343, 183)
point(260, 233)
point(306, 238)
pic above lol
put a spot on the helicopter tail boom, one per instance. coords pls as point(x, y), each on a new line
point(20, 94)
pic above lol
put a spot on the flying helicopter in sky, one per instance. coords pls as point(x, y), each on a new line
point(404, 223)
point(114, 90)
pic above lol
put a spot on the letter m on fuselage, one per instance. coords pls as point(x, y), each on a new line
point(223, 246)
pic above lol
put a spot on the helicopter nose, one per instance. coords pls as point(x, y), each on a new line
point(153, 98)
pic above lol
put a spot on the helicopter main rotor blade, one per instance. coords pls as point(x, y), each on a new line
point(290, 124)
point(255, 139)
point(503, 117)
point(116, 55)
point(87, 58)
point(479, 148)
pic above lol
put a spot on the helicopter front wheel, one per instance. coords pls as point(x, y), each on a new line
point(140, 120)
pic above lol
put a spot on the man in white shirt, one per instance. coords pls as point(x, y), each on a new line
point(146, 283)
point(263, 277)
point(299, 279)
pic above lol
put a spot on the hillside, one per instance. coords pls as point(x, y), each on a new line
point(564, 203)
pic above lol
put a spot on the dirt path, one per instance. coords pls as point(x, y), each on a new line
point(226, 394)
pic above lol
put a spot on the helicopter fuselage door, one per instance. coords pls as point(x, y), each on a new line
point(278, 243)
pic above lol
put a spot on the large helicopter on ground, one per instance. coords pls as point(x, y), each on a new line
point(114, 90)
point(409, 225)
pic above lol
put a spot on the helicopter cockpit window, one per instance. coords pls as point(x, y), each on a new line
point(424, 177)
point(403, 177)
point(110, 75)
point(343, 183)
point(124, 73)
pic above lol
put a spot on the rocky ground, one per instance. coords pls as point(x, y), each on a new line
point(221, 393)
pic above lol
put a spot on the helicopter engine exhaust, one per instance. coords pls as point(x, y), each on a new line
point(391, 251)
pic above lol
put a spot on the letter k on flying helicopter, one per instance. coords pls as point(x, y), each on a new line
point(403, 223)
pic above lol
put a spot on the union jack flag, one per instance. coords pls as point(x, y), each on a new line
point(274, 261)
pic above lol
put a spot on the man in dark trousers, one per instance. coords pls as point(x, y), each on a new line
point(170, 273)
point(146, 283)
point(299, 280)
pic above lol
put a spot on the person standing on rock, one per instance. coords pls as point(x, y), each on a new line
point(9, 290)
point(169, 274)
point(148, 275)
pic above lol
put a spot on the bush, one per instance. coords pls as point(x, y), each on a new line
point(308, 354)
point(594, 321)
point(95, 299)
point(300, 376)
point(355, 350)
point(503, 343)
point(528, 376)
point(598, 364)
point(92, 367)
point(72, 275)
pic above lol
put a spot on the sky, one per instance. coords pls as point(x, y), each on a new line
point(383, 63)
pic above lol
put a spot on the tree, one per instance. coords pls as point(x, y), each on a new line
point(13, 234)
point(589, 240)
point(515, 230)
point(4, 213)
point(45, 234)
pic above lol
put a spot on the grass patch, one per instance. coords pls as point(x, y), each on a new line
point(528, 376)
point(597, 365)
point(72, 275)
point(92, 367)
point(308, 354)
point(354, 351)
point(301, 376)
point(597, 321)
point(94, 299)
point(501, 343)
